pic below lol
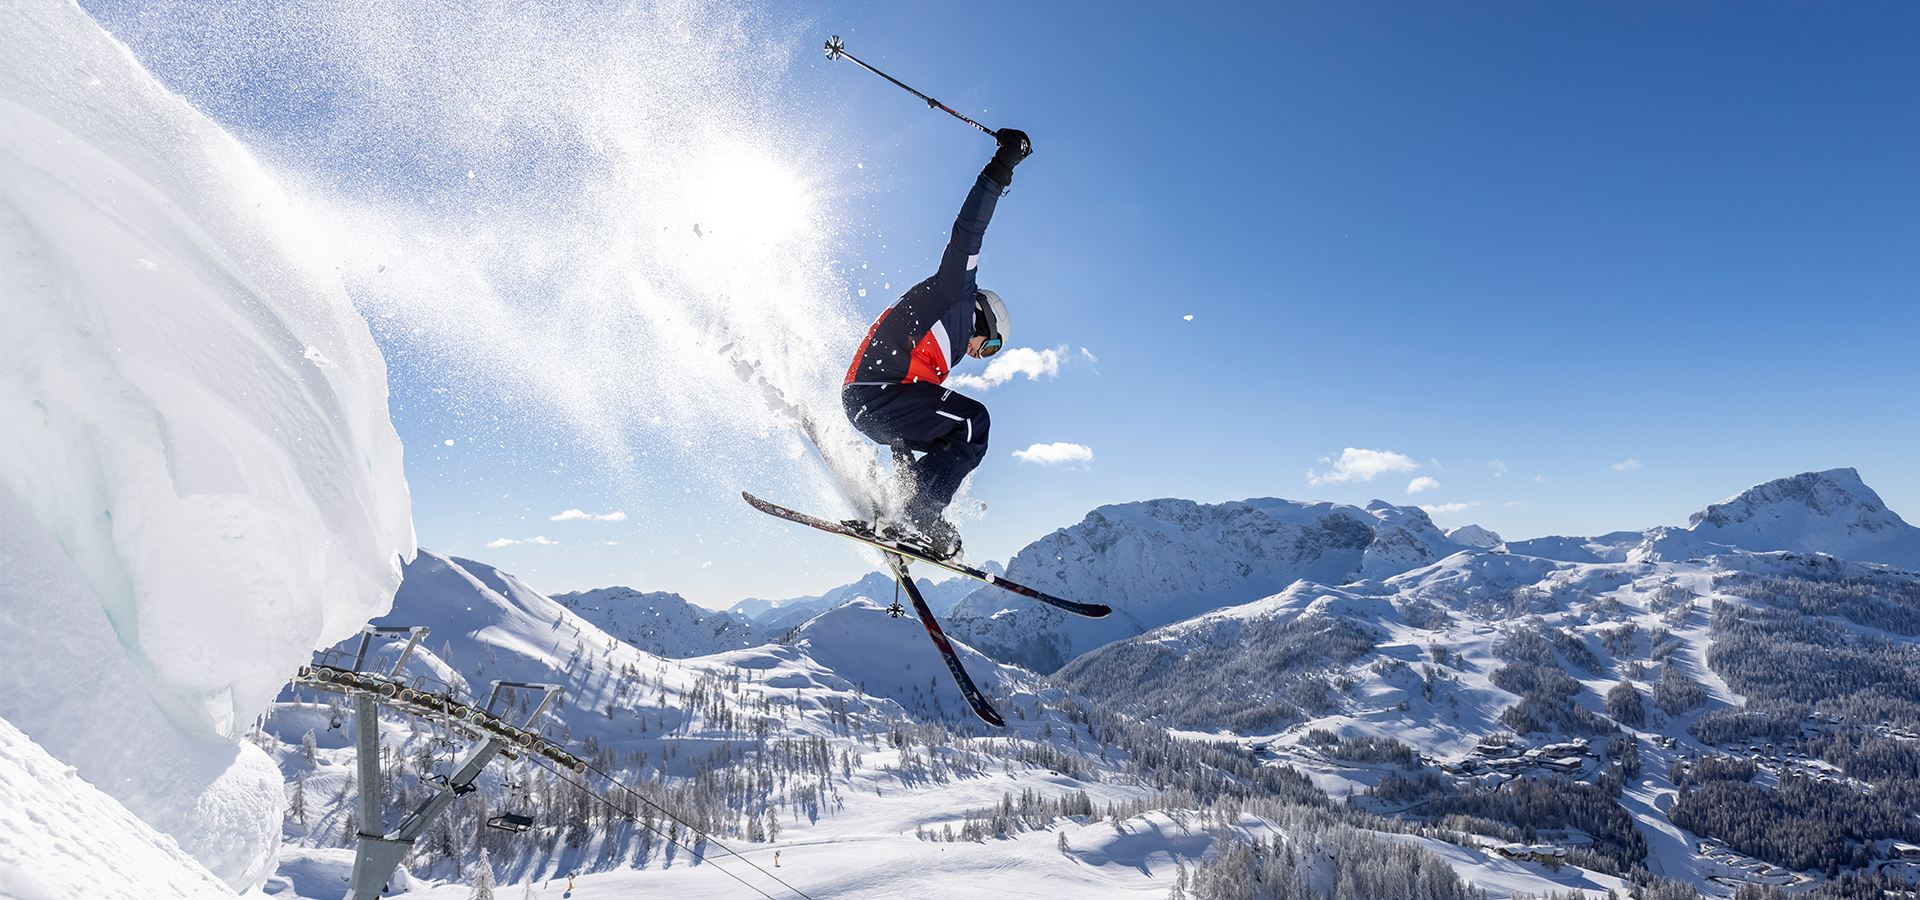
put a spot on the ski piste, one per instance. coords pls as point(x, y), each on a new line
point(1090, 610)
point(961, 679)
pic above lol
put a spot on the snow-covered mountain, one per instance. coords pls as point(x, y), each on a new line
point(1831, 512)
point(1782, 662)
point(777, 617)
point(846, 748)
point(1473, 536)
point(1161, 561)
point(662, 623)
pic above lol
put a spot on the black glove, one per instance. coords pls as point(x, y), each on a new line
point(1014, 147)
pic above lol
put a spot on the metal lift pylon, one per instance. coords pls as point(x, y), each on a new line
point(378, 853)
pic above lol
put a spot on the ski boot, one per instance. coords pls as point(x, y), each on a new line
point(937, 538)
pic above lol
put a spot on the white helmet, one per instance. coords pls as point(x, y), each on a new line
point(990, 321)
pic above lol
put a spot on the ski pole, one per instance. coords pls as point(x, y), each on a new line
point(837, 49)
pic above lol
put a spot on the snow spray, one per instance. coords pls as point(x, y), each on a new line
point(554, 216)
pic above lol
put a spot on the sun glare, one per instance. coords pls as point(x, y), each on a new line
point(749, 198)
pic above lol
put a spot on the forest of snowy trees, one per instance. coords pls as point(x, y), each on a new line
point(1359, 865)
point(1270, 674)
point(1547, 692)
point(1829, 693)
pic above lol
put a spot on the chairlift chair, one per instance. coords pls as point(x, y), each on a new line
point(512, 821)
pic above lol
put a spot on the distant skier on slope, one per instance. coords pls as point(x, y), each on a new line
point(893, 391)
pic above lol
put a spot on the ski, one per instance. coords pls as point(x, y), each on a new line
point(961, 680)
point(1090, 610)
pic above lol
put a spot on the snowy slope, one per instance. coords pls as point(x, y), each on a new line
point(62, 837)
point(198, 463)
point(1162, 561)
point(908, 769)
point(661, 623)
point(487, 624)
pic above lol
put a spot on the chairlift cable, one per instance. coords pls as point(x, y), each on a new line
point(669, 814)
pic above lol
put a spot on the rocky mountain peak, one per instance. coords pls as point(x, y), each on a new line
point(1828, 512)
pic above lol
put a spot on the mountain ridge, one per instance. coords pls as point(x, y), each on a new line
point(1159, 562)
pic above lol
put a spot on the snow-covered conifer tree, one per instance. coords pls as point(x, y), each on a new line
point(483, 879)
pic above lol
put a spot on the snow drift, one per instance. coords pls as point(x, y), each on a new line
point(199, 483)
point(80, 841)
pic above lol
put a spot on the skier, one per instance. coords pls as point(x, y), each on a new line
point(893, 392)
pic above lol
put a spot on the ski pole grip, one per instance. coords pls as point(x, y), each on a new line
point(835, 47)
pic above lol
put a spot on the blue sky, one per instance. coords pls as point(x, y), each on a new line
point(1564, 268)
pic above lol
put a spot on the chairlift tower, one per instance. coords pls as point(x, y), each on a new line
point(377, 852)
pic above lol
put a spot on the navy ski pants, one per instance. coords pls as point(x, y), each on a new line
point(947, 427)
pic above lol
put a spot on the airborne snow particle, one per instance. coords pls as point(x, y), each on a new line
point(1188, 318)
point(449, 442)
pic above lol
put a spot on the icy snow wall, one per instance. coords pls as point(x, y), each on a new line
point(199, 483)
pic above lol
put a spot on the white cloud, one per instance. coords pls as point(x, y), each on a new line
point(1051, 454)
point(1361, 465)
point(1515, 504)
point(1423, 483)
point(1449, 509)
point(508, 542)
point(1626, 465)
point(571, 514)
point(1540, 479)
point(615, 516)
point(1091, 359)
point(1499, 468)
point(618, 515)
point(1010, 362)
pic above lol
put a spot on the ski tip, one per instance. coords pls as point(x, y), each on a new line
point(1099, 610)
point(991, 716)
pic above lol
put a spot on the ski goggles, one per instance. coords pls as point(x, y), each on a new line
point(983, 326)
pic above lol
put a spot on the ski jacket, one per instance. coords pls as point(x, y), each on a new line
point(925, 332)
